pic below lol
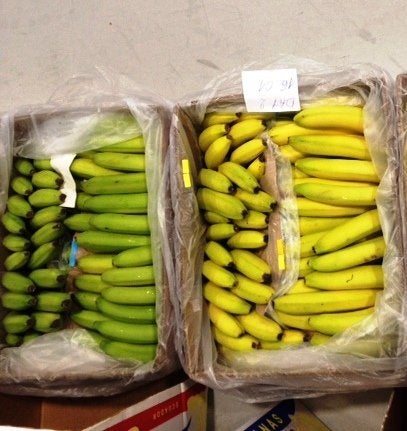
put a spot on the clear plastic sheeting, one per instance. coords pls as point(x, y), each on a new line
point(369, 355)
point(86, 113)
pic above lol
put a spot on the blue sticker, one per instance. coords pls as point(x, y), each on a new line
point(72, 255)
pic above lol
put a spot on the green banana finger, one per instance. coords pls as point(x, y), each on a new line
point(109, 242)
point(16, 282)
point(48, 278)
point(87, 318)
point(138, 256)
point(130, 352)
point(21, 185)
point(19, 206)
point(95, 263)
point(55, 302)
point(24, 166)
point(145, 295)
point(53, 213)
point(47, 179)
point(13, 340)
point(79, 222)
point(15, 242)
point(42, 164)
point(47, 233)
point(46, 197)
point(110, 184)
point(87, 300)
point(142, 333)
point(121, 161)
point(87, 168)
point(133, 145)
point(13, 224)
point(18, 301)
point(16, 260)
point(121, 223)
point(17, 323)
point(126, 313)
point(81, 198)
point(135, 276)
point(90, 283)
point(43, 254)
point(45, 321)
point(130, 203)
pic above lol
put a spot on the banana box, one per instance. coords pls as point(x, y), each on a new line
point(291, 225)
point(53, 260)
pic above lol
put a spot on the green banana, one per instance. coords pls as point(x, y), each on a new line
point(18, 301)
point(87, 168)
point(220, 231)
point(110, 242)
point(13, 224)
point(134, 333)
point(46, 321)
point(133, 145)
point(224, 321)
point(19, 206)
point(215, 180)
point(13, 340)
point(225, 300)
point(130, 203)
point(47, 233)
point(86, 300)
point(218, 275)
point(240, 176)
point(95, 263)
point(126, 313)
point(218, 254)
point(261, 327)
point(121, 161)
point(87, 318)
point(24, 166)
point(15, 242)
point(48, 278)
point(90, 283)
point(47, 179)
point(54, 213)
point(349, 232)
point(253, 220)
point(243, 343)
point(251, 265)
point(221, 203)
point(21, 185)
point(135, 276)
point(325, 301)
point(137, 256)
point(145, 295)
point(260, 201)
point(17, 282)
point(248, 239)
point(121, 223)
point(43, 254)
point(119, 183)
point(129, 352)
point(332, 323)
point(55, 302)
point(16, 260)
point(353, 255)
point(30, 335)
point(81, 199)
point(46, 197)
point(357, 277)
point(79, 222)
point(42, 164)
point(17, 323)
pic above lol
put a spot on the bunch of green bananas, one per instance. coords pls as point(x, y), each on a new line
point(35, 232)
point(115, 292)
point(341, 242)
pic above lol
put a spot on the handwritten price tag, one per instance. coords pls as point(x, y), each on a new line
point(271, 90)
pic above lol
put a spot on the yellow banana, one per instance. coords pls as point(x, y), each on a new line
point(257, 167)
point(357, 277)
point(251, 265)
point(338, 195)
point(260, 327)
point(294, 320)
point(318, 224)
point(215, 180)
point(218, 275)
point(307, 243)
point(347, 146)
point(218, 117)
point(297, 174)
point(309, 208)
point(353, 255)
point(213, 218)
point(303, 267)
point(328, 182)
point(217, 151)
point(224, 321)
point(290, 153)
point(338, 169)
point(210, 134)
point(248, 151)
point(300, 287)
point(225, 300)
point(331, 117)
point(318, 339)
point(245, 130)
point(289, 337)
point(255, 115)
point(326, 301)
point(260, 201)
point(253, 291)
point(349, 232)
point(250, 239)
point(332, 323)
point(240, 176)
point(253, 220)
point(218, 254)
point(220, 231)
point(221, 203)
point(243, 343)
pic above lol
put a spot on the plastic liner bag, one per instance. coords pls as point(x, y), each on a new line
point(83, 115)
point(368, 355)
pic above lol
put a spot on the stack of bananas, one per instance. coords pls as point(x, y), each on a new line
point(35, 233)
point(341, 243)
point(115, 290)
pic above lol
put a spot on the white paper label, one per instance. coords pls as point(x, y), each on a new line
point(61, 164)
point(271, 90)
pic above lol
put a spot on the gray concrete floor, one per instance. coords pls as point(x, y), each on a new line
point(175, 48)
